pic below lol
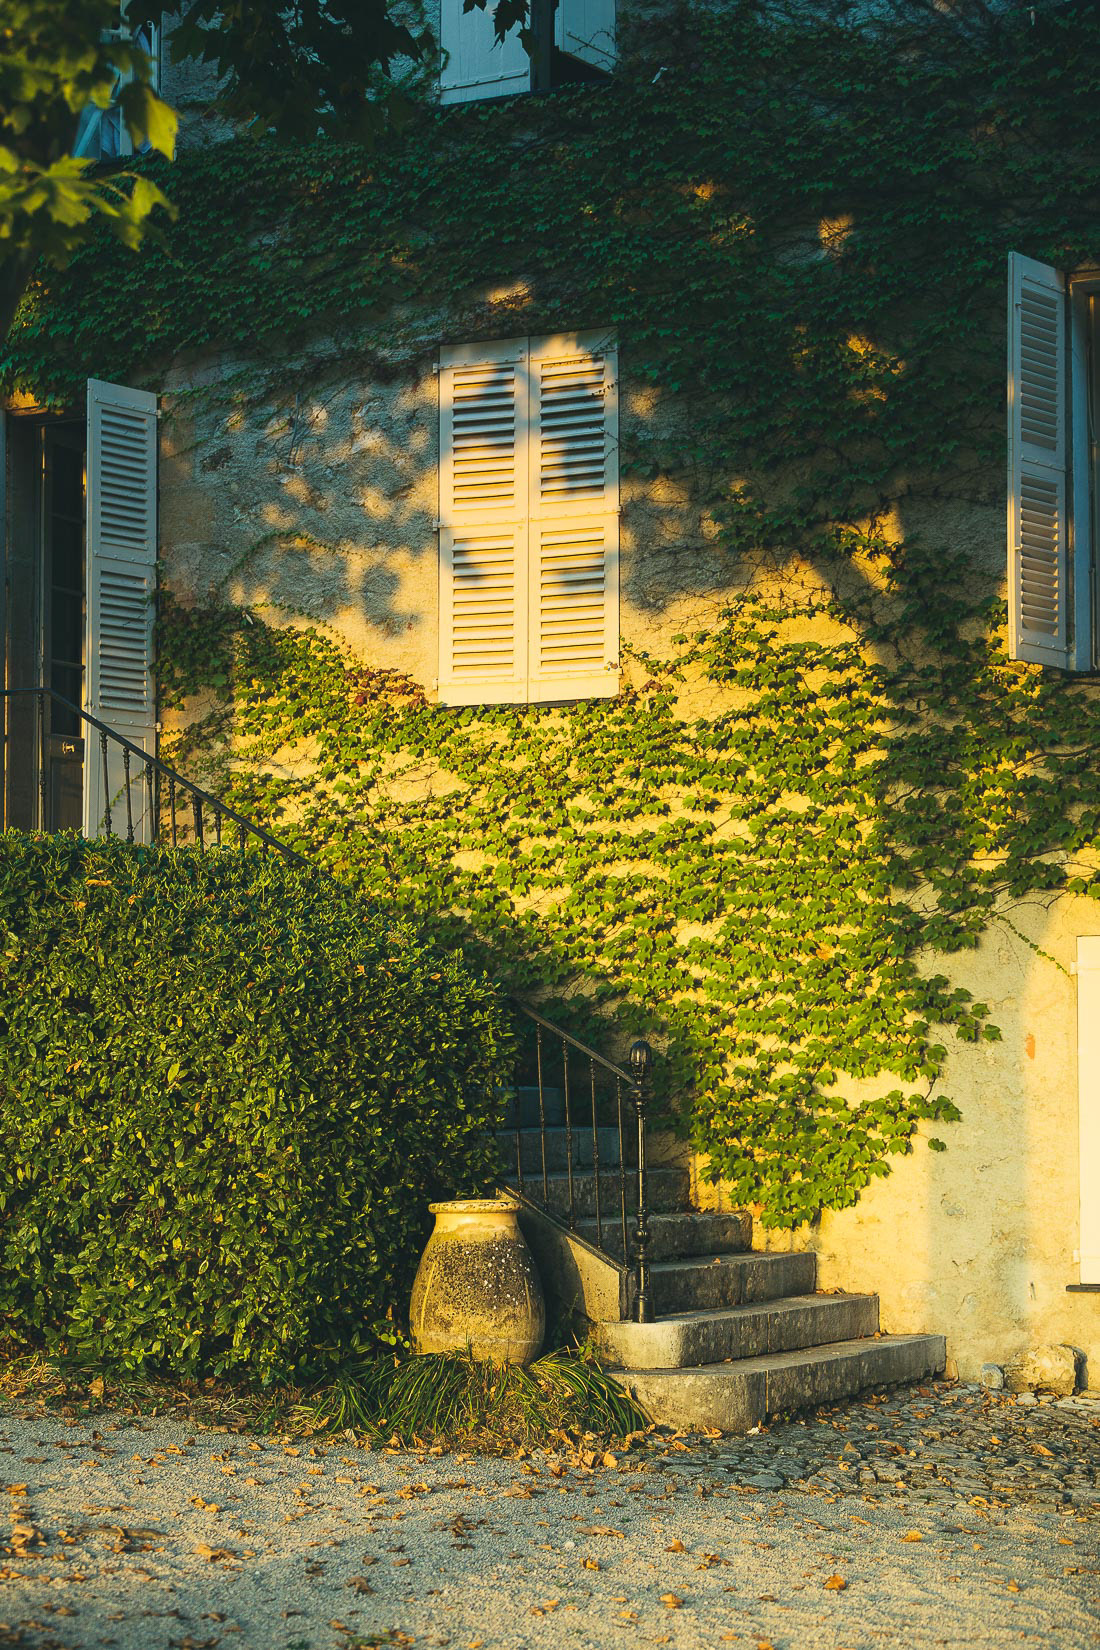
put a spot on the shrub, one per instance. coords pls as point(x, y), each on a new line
point(228, 1092)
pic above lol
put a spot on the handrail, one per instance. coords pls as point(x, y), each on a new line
point(630, 1085)
point(152, 764)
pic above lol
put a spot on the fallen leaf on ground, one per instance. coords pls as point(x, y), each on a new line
point(213, 1553)
point(672, 1600)
point(675, 1547)
point(360, 1583)
point(591, 1563)
point(912, 1535)
point(835, 1584)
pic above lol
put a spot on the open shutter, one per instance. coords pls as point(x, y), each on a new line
point(121, 583)
point(483, 417)
point(1088, 1101)
point(574, 533)
point(475, 63)
point(1038, 537)
point(586, 29)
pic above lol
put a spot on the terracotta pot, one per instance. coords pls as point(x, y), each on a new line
point(477, 1283)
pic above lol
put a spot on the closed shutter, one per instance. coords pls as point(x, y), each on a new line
point(475, 63)
point(121, 584)
point(574, 534)
point(1038, 534)
point(101, 134)
point(1088, 1102)
point(586, 29)
point(483, 524)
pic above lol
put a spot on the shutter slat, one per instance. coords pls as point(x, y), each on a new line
point(121, 581)
point(1038, 543)
point(474, 65)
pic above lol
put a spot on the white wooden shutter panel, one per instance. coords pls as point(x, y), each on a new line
point(121, 583)
point(574, 532)
point(586, 29)
point(475, 63)
point(1038, 452)
point(483, 418)
point(1088, 1101)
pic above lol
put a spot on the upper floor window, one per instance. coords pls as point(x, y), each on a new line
point(529, 521)
point(477, 65)
point(101, 133)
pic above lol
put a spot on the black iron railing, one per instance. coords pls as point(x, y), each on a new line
point(143, 798)
point(570, 1103)
point(579, 1128)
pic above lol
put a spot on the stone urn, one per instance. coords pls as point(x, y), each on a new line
point(477, 1284)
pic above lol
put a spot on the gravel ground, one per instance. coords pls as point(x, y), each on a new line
point(927, 1516)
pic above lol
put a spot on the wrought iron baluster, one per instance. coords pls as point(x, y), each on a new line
point(150, 794)
point(542, 1114)
point(595, 1151)
point(129, 803)
point(172, 806)
point(43, 767)
point(106, 780)
point(196, 808)
point(622, 1169)
point(641, 1059)
point(568, 1131)
point(218, 826)
point(243, 836)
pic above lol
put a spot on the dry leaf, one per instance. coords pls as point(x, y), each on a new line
point(912, 1535)
point(628, 1615)
point(213, 1553)
point(676, 1547)
point(1040, 1449)
point(95, 1388)
point(360, 1583)
point(591, 1563)
point(672, 1600)
point(835, 1584)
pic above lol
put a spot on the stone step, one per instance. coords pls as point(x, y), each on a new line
point(524, 1100)
point(674, 1237)
point(557, 1142)
point(688, 1340)
point(729, 1280)
point(733, 1397)
point(669, 1192)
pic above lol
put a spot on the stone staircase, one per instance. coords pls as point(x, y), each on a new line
point(737, 1335)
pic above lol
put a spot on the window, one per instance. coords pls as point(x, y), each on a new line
point(477, 65)
point(1052, 464)
point(101, 133)
point(528, 521)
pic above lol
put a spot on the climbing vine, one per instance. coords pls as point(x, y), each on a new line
point(798, 226)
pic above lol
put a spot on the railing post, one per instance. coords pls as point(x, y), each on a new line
point(43, 767)
point(641, 1061)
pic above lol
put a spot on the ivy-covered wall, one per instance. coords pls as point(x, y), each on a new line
point(825, 807)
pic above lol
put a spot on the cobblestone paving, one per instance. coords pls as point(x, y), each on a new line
point(931, 1516)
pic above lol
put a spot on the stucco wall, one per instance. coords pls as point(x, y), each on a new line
point(318, 506)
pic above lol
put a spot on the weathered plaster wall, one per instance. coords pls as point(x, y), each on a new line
point(978, 1242)
point(317, 506)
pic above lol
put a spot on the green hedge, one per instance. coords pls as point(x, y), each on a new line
point(227, 1094)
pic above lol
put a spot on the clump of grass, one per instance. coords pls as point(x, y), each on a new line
point(443, 1399)
point(451, 1397)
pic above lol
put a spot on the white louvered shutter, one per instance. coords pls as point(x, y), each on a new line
point(586, 29)
point(574, 531)
point(1038, 456)
point(475, 63)
point(101, 134)
point(1088, 1102)
point(483, 417)
point(121, 583)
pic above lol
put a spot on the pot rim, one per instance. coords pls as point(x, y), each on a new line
point(477, 1206)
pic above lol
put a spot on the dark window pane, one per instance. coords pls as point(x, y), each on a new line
point(68, 555)
point(68, 481)
point(66, 627)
